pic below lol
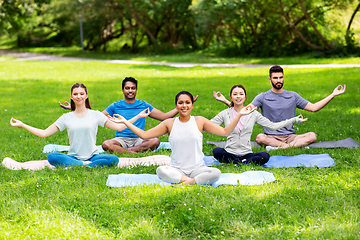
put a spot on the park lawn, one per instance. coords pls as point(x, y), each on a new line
point(201, 56)
point(303, 203)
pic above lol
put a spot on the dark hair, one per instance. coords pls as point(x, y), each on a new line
point(87, 102)
point(275, 69)
point(185, 93)
point(231, 90)
point(129, 79)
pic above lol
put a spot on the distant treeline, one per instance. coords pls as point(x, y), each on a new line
point(252, 27)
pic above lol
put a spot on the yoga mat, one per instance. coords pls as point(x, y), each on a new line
point(345, 143)
point(163, 145)
point(303, 160)
point(62, 148)
point(246, 178)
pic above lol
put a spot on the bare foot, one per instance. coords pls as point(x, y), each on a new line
point(189, 181)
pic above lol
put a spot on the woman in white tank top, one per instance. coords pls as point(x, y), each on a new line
point(185, 136)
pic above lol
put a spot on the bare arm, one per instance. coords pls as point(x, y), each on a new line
point(314, 107)
point(157, 131)
point(105, 113)
point(212, 128)
point(122, 126)
point(159, 115)
point(218, 96)
point(38, 132)
point(263, 121)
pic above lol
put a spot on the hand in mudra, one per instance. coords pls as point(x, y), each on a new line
point(15, 123)
point(218, 96)
point(66, 105)
point(303, 119)
point(116, 118)
point(247, 110)
point(144, 113)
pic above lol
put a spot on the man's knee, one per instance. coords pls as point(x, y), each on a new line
point(261, 139)
point(112, 146)
point(106, 145)
point(312, 137)
point(154, 143)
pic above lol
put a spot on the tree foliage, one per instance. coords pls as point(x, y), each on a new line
point(257, 27)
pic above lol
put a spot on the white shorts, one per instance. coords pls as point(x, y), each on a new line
point(128, 142)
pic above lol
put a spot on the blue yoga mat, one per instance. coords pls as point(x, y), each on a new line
point(303, 160)
point(245, 178)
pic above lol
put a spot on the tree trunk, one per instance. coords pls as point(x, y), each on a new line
point(314, 26)
point(297, 32)
point(133, 14)
point(351, 20)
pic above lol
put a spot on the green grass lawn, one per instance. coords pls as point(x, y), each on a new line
point(304, 203)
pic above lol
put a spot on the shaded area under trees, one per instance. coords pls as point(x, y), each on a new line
point(257, 27)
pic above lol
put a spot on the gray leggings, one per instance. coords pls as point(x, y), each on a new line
point(202, 175)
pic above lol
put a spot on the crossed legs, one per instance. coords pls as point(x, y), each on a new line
point(201, 175)
point(300, 140)
point(114, 146)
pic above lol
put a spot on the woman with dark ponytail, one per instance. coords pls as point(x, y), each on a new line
point(82, 126)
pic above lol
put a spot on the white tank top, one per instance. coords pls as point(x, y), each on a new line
point(186, 145)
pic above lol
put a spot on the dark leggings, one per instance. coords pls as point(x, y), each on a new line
point(251, 158)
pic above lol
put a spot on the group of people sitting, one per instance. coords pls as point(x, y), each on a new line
point(187, 166)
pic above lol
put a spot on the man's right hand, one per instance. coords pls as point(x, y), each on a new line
point(65, 105)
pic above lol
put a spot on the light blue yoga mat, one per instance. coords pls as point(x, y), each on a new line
point(245, 178)
point(64, 148)
point(303, 160)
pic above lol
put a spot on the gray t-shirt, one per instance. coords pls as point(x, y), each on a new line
point(82, 132)
point(279, 107)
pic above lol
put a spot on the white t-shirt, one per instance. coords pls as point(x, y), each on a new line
point(186, 145)
point(82, 132)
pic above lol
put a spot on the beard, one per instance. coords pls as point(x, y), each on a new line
point(276, 86)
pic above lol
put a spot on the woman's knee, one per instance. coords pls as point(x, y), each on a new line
point(208, 177)
point(53, 158)
point(218, 153)
point(166, 174)
point(223, 156)
point(114, 160)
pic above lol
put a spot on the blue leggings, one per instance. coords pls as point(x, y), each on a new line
point(99, 160)
point(251, 158)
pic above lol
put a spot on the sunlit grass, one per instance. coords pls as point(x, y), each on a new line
point(305, 203)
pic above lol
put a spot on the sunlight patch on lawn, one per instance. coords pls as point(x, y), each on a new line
point(55, 224)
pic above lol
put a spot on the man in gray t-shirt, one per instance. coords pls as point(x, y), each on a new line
point(277, 105)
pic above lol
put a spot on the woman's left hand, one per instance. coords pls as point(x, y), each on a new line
point(116, 118)
point(247, 110)
point(144, 113)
